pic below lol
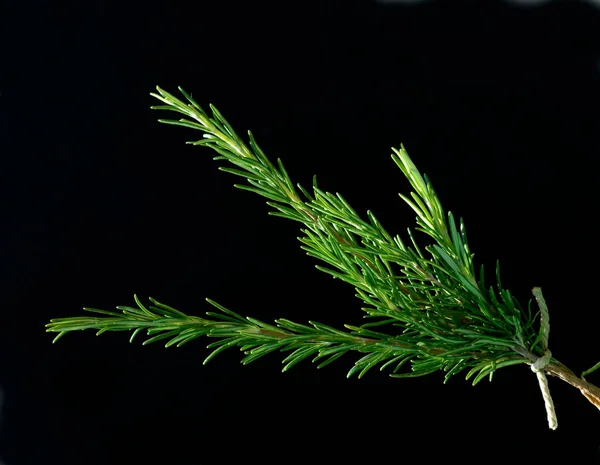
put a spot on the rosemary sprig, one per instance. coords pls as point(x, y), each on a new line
point(427, 307)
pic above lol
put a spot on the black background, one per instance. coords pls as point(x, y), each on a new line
point(498, 103)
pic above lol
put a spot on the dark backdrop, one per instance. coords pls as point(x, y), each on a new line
point(497, 102)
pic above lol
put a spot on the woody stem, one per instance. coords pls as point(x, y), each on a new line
point(590, 391)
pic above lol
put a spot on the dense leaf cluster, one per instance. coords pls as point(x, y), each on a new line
point(426, 306)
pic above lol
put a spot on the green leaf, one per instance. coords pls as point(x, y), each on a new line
point(260, 352)
point(332, 358)
point(161, 336)
point(414, 374)
point(298, 355)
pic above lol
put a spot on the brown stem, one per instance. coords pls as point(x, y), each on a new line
point(591, 392)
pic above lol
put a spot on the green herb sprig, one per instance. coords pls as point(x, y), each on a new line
point(428, 308)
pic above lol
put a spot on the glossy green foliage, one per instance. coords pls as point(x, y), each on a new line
point(427, 307)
